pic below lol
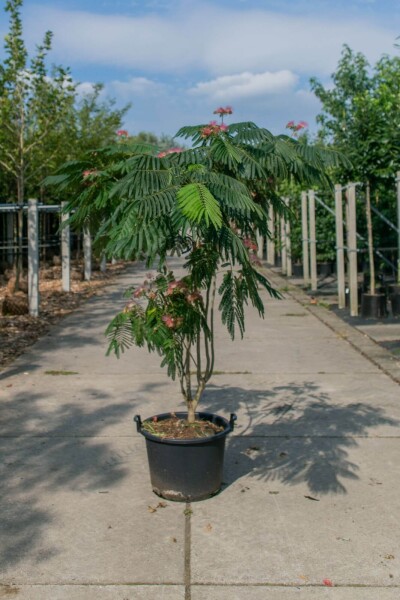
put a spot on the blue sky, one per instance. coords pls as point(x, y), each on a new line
point(177, 60)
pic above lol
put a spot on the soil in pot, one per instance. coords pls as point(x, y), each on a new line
point(373, 306)
point(180, 429)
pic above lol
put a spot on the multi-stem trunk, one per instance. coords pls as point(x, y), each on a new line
point(203, 346)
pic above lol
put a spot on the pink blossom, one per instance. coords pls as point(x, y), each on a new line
point(162, 154)
point(223, 111)
point(250, 244)
point(194, 297)
point(289, 125)
point(302, 125)
point(169, 321)
point(122, 133)
point(89, 172)
point(175, 285)
point(223, 127)
point(139, 292)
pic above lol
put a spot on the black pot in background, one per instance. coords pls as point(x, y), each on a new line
point(347, 296)
point(187, 470)
point(325, 269)
point(373, 306)
point(297, 270)
point(394, 295)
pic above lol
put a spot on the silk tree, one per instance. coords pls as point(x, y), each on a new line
point(204, 203)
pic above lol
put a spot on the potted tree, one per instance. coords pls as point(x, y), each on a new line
point(204, 203)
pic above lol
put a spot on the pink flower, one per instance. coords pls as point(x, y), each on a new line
point(172, 322)
point(175, 285)
point(223, 111)
point(223, 127)
point(194, 297)
point(122, 133)
point(302, 125)
point(169, 321)
point(328, 583)
point(139, 292)
point(177, 149)
point(89, 172)
point(290, 125)
point(162, 154)
point(250, 244)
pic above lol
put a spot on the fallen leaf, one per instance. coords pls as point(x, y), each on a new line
point(151, 509)
point(272, 492)
point(304, 577)
point(389, 556)
point(312, 498)
point(162, 505)
point(208, 528)
point(328, 582)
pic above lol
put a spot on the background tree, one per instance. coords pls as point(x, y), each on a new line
point(361, 117)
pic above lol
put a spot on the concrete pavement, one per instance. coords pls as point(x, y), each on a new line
point(311, 491)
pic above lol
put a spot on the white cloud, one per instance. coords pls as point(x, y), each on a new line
point(244, 85)
point(136, 86)
point(206, 37)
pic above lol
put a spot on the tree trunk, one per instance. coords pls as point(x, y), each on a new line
point(20, 232)
point(370, 241)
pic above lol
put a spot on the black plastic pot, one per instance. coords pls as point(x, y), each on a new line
point(325, 269)
point(187, 470)
point(373, 306)
point(395, 303)
point(297, 270)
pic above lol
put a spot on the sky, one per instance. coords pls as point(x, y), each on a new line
point(176, 61)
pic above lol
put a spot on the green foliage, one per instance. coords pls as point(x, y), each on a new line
point(204, 202)
point(360, 117)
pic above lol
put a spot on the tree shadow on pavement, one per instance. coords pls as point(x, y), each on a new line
point(295, 434)
point(49, 448)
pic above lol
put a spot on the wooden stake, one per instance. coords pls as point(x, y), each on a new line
point(313, 240)
point(304, 236)
point(340, 247)
point(65, 251)
point(33, 257)
point(352, 248)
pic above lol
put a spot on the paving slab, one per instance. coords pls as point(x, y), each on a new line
point(77, 511)
point(298, 593)
point(93, 592)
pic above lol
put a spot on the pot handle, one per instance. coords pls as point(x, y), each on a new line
point(232, 421)
point(138, 422)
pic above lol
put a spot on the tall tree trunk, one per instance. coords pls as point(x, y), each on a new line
point(370, 241)
point(20, 232)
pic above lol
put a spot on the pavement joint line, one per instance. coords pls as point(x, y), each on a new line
point(187, 551)
point(365, 586)
point(244, 437)
point(300, 297)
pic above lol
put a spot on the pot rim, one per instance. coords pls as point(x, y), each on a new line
point(228, 427)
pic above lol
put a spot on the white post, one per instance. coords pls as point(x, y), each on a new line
point(352, 249)
point(289, 270)
point(33, 257)
point(398, 225)
point(340, 247)
point(271, 238)
point(260, 245)
point(103, 263)
point(87, 254)
point(283, 246)
point(313, 240)
point(304, 236)
point(65, 250)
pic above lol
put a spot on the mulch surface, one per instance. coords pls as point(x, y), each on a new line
point(17, 333)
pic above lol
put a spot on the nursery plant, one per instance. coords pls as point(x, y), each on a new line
point(204, 203)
